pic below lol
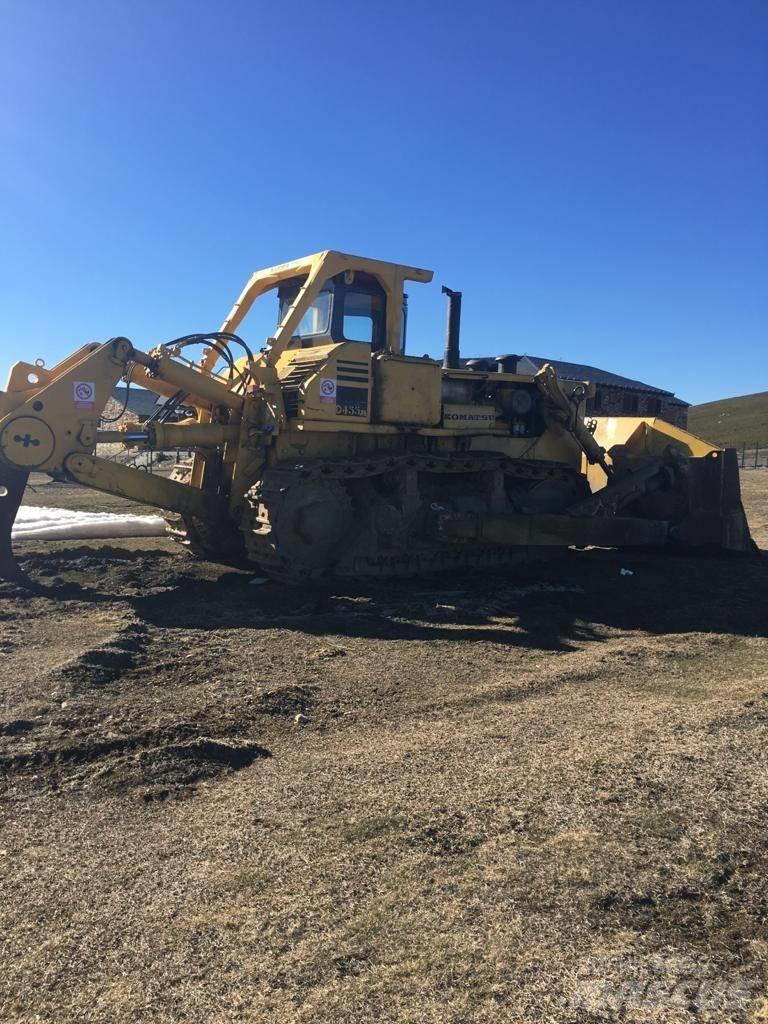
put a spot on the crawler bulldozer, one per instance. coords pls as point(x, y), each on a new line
point(333, 452)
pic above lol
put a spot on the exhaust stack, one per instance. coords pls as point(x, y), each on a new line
point(452, 330)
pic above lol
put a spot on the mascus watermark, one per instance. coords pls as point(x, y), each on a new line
point(634, 985)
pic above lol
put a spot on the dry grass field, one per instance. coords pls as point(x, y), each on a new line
point(536, 796)
point(732, 420)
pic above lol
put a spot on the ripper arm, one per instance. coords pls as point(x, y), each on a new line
point(49, 422)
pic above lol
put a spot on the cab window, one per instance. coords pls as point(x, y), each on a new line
point(350, 307)
point(362, 311)
point(317, 318)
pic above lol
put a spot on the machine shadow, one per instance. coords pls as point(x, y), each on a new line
point(575, 598)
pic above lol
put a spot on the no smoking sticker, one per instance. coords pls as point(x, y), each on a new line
point(84, 394)
point(327, 389)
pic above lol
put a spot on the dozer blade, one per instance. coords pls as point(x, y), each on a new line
point(12, 485)
point(716, 515)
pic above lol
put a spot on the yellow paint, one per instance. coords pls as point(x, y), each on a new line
point(335, 400)
point(407, 391)
point(643, 436)
point(318, 268)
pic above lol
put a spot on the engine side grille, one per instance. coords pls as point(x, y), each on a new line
point(301, 370)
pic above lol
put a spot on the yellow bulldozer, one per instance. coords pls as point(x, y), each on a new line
point(333, 452)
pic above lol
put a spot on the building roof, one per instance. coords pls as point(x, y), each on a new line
point(593, 374)
point(580, 371)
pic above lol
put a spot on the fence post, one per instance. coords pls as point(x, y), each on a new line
point(743, 452)
point(757, 450)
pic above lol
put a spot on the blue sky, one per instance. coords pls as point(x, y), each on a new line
point(592, 174)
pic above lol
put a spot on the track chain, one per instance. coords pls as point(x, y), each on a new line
point(350, 469)
point(259, 542)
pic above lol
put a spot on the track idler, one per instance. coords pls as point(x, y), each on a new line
point(12, 485)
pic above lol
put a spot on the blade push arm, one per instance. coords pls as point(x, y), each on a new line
point(565, 414)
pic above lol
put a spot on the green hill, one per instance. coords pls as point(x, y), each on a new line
point(732, 421)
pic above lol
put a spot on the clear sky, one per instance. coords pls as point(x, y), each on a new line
point(592, 174)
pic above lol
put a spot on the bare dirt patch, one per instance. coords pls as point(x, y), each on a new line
point(504, 794)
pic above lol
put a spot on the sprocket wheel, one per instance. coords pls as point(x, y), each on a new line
point(304, 530)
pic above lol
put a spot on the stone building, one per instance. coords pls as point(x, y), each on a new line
point(615, 395)
point(141, 405)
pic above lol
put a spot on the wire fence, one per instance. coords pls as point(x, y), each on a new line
point(154, 462)
point(752, 454)
point(150, 461)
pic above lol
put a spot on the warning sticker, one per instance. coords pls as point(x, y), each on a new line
point(84, 394)
point(328, 389)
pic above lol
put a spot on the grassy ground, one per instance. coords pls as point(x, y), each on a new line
point(754, 490)
point(532, 796)
point(732, 421)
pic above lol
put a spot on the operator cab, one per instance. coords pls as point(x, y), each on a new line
point(350, 307)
